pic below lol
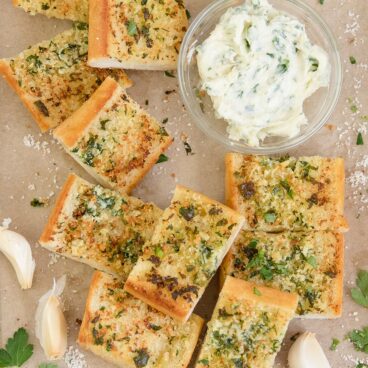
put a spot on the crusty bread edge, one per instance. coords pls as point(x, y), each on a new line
point(84, 333)
point(105, 61)
point(70, 131)
point(98, 31)
point(230, 191)
point(46, 235)
point(7, 72)
point(340, 192)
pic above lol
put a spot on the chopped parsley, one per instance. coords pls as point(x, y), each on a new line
point(187, 212)
point(312, 261)
point(359, 338)
point(162, 158)
point(335, 342)
point(256, 292)
point(37, 202)
point(169, 74)
point(314, 64)
point(42, 107)
point(360, 293)
point(352, 60)
point(270, 217)
point(188, 148)
point(164, 121)
point(132, 28)
point(360, 140)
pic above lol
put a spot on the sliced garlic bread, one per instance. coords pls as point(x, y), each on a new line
point(277, 194)
point(125, 331)
point(76, 10)
point(99, 227)
point(136, 34)
point(52, 78)
point(186, 248)
point(115, 140)
point(247, 326)
point(310, 264)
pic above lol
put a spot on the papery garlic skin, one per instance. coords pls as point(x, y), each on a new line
point(18, 251)
point(306, 352)
point(51, 327)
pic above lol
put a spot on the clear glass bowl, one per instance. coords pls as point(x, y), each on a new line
point(317, 108)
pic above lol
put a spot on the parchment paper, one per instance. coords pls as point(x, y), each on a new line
point(33, 165)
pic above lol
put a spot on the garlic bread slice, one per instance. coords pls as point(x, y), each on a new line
point(186, 248)
point(99, 227)
point(310, 264)
point(127, 332)
point(76, 10)
point(286, 193)
point(247, 326)
point(113, 138)
point(52, 78)
point(136, 34)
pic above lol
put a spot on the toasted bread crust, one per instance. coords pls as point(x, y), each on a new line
point(86, 338)
point(73, 128)
point(98, 29)
point(124, 158)
point(58, 208)
point(8, 74)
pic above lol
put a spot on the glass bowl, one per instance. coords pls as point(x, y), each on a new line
point(317, 108)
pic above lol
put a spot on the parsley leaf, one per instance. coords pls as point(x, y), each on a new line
point(256, 292)
point(132, 28)
point(334, 344)
point(17, 350)
point(162, 158)
point(312, 261)
point(169, 74)
point(352, 60)
point(360, 293)
point(359, 141)
point(361, 365)
point(270, 217)
point(359, 338)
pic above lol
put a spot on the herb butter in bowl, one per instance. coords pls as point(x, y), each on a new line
point(257, 76)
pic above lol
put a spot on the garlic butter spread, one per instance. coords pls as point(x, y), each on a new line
point(258, 66)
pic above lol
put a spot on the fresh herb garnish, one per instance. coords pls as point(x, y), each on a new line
point(285, 184)
point(159, 252)
point(270, 217)
point(321, 2)
point(169, 74)
point(314, 64)
point(37, 202)
point(360, 140)
point(312, 261)
point(352, 60)
point(132, 28)
point(81, 26)
point(362, 365)
point(359, 338)
point(204, 362)
point(334, 343)
point(41, 107)
point(141, 359)
point(360, 293)
point(354, 108)
point(283, 67)
point(187, 212)
point(164, 121)
point(188, 148)
point(256, 292)
point(162, 158)
point(17, 350)
point(103, 123)
point(187, 14)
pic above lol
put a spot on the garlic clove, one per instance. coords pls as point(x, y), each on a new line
point(306, 352)
point(51, 327)
point(18, 251)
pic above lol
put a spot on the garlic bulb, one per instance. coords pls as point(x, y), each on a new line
point(306, 352)
point(51, 327)
point(18, 251)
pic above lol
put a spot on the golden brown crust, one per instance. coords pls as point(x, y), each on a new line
point(98, 29)
point(230, 195)
point(85, 338)
point(245, 290)
point(59, 205)
point(6, 71)
point(148, 293)
point(340, 277)
point(73, 128)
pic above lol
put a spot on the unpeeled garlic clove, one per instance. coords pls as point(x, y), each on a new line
point(306, 352)
point(18, 251)
point(51, 328)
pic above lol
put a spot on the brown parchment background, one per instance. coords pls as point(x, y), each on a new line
point(46, 168)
